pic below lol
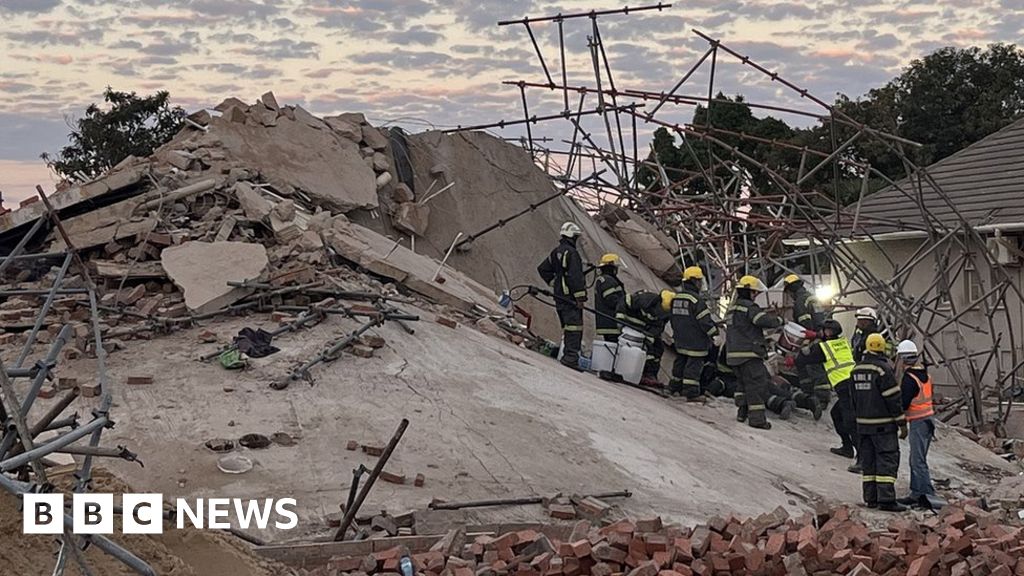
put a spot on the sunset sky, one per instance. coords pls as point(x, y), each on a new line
point(422, 63)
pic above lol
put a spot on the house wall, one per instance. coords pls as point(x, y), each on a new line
point(918, 282)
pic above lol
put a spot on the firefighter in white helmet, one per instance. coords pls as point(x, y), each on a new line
point(563, 272)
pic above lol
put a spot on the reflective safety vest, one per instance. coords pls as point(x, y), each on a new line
point(921, 406)
point(839, 361)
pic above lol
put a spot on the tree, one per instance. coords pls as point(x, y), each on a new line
point(130, 125)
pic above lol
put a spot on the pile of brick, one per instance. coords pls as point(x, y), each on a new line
point(961, 541)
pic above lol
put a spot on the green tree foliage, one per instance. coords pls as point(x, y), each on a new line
point(128, 125)
point(945, 101)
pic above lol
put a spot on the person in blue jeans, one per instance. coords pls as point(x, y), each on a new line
point(916, 391)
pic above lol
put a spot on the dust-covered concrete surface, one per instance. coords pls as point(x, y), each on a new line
point(488, 419)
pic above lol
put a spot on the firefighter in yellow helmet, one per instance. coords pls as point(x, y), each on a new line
point(693, 333)
point(746, 350)
point(876, 398)
point(648, 312)
point(608, 292)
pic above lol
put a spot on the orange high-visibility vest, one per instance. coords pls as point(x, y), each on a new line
point(921, 406)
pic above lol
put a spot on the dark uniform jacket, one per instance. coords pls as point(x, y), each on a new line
point(805, 311)
point(608, 292)
point(744, 337)
point(876, 396)
point(642, 310)
point(693, 327)
point(563, 271)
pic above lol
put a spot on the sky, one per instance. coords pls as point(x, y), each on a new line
point(438, 63)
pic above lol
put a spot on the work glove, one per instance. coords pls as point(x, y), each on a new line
point(789, 362)
point(810, 334)
point(903, 431)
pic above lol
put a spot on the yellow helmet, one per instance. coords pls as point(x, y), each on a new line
point(791, 279)
point(693, 272)
point(751, 283)
point(609, 260)
point(666, 299)
point(875, 342)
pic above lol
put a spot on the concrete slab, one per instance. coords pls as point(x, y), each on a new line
point(386, 257)
point(203, 269)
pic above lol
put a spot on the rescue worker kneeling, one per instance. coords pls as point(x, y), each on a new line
point(879, 414)
point(746, 351)
point(693, 331)
point(721, 382)
point(648, 312)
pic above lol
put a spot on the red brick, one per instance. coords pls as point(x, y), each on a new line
point(923, 565)
point(684, 550)
point(66, 383)
point(807, 548)
point(637, 548)
point(90, 390)
point(373, 450)
point(562, 511)
point(755, 560)
point(622, 526)
point(620, 539)
point(208, 336)
point(419, 481)
point(655, 543)
point(360, 351)
point(662, 558)
point(599, 569)
point(776, 545)
point(649, 524)
point(645, 569)
point(345, 563)
point(608, 553)
point(47, 392)
point(581, 548)
point(445, 321)
point(392, 478)
point(352, 445)
point(701, 540)
point(679, 568)
point(139, 380)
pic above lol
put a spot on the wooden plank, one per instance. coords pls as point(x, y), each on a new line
point(137, 271)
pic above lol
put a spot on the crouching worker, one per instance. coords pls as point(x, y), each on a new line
point(647, 313)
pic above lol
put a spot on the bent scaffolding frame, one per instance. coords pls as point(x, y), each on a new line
point(24, 447)
point(738, 227)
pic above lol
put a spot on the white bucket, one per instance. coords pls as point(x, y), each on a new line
point(629, 363)
point(602, 356)
point(631, 337)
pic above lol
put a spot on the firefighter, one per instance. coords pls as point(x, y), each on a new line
point(648, 312)
point(834, 354)
point(916, 386)
point(563, 271)
point(879, 415)
point(805, 309)
point(722, 382)
point(693, 331)
point(608, 292)
point(810, 378)
point(746, 351)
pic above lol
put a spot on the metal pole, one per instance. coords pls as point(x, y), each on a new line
point(350, 513)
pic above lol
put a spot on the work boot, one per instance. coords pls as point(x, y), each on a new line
point(908, 501)
point(675, 388)
point(741, 414)
point(871, 504)
point(573, 365)
point(766, 425)
point(892, 507)
point(855, 469)
point(610, 376)
point(651, 382)
point(844, 451)
point(816, 409)
point(787, 410)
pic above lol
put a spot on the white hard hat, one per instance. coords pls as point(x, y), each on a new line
point(867, 314)
point(906, 348)
point(570, 230)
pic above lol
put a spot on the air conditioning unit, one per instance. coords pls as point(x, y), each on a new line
point(1004, 251)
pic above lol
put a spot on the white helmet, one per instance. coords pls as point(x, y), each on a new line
point(867, 314)
point(570, 230)
point(906, 348)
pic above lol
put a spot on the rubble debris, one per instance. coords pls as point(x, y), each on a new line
point(202, 271)
point(254, 441)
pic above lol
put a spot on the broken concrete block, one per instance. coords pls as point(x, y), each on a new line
point(374, 138)
point(383, 180)
point(228, 103)
point(412, 218)
point(203, 269)
point(270, 101)
point(131, 296)
point(361, 351)
point(348, 126)
point(235, 114)
point(380, 162)
point(255, 206)
point(285, 210)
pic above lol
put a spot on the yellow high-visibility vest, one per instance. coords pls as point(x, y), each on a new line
point(839, 362)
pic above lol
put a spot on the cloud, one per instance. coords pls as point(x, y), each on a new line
point(403, 59)
point(414, 35)
point(28, 6)
point(26, 136)
point(282, 48)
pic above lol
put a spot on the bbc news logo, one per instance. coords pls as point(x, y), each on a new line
point(144, 513)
